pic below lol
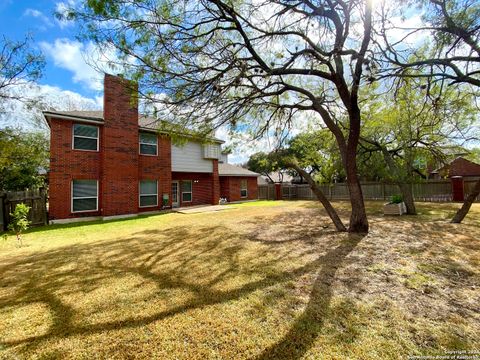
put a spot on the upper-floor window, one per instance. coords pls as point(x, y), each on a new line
point(243, 188)
point(148, 143)
point(85, 137)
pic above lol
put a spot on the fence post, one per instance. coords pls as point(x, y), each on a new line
point(278, 191)
point(43, 195)
point(457, 188)
point(3, 224)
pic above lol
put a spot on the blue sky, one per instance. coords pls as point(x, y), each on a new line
point(53, 38)
point(68, 80)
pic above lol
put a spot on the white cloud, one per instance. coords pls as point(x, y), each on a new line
point(88, 62)
point(57, 99)
point(21, 114)
point(243, 146)
point(39, 15)
point(85, 61)
point(62, 8)
point(401, 27)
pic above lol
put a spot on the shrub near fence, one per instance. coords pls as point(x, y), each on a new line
point(431, 190)
point(35, 199)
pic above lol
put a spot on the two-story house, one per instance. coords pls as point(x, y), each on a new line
point(116, 163)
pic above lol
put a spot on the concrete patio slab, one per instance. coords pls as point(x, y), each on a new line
point(202, 209)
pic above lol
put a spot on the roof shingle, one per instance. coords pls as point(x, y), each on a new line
point(144, 122)
point(232, 170)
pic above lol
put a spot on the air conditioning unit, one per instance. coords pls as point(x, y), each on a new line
point(211, 151)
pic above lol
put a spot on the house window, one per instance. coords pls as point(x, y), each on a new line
point(186, 190)
point(148, 144)
point(85, 137)
point(243, 188)
point(84, 195)
point(148, 193)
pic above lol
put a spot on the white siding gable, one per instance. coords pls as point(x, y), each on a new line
point(189, 158)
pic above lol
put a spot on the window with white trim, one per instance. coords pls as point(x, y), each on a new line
point(243, 188)
point(84, 195)
point(148, 193)
point(85, 137)
point(186, 190)
point(148, 143)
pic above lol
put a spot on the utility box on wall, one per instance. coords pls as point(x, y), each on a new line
point(165, 200)
point(211, 151)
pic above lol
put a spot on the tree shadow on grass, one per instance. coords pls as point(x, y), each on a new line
point(77, 224)
point(303, 333)
point(306, 226)
point(166, 258)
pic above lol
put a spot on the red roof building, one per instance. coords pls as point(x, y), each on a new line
point(459, 167)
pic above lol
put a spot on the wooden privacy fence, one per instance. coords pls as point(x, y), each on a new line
point(266, 192)
point(431, 190)
point(36, 199)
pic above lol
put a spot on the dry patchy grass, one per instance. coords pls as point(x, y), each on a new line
point(265, 280)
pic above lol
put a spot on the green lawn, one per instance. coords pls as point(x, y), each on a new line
point(263, 280)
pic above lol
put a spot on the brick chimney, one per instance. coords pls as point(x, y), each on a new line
point(119, 186)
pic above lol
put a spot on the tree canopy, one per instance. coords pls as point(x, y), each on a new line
point(250, 64)
point(23, 157)
point(257, 66)
point(19, 64)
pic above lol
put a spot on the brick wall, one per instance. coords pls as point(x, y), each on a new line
point(230, 187)
point(202, 187)
point(119, 184)
point(66, 165)
point(215, 184)
point(225, 187)
point(158, 168)
point(117, 165)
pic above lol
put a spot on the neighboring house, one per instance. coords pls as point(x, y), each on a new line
point(114, 163)
point(458, 167)
point(276, 177)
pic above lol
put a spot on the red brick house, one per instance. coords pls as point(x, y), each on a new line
point(458, 167)
point(116, 163)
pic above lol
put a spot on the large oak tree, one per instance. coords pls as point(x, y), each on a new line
point(246, 64)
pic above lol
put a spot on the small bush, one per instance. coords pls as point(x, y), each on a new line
point(396, 199)
point(19, 222)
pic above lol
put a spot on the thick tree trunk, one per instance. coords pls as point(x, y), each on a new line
point(321, 197)
point(407, 195)
point(358, 216)
point(348, 151)
point(405, 189)
point(463, 211)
